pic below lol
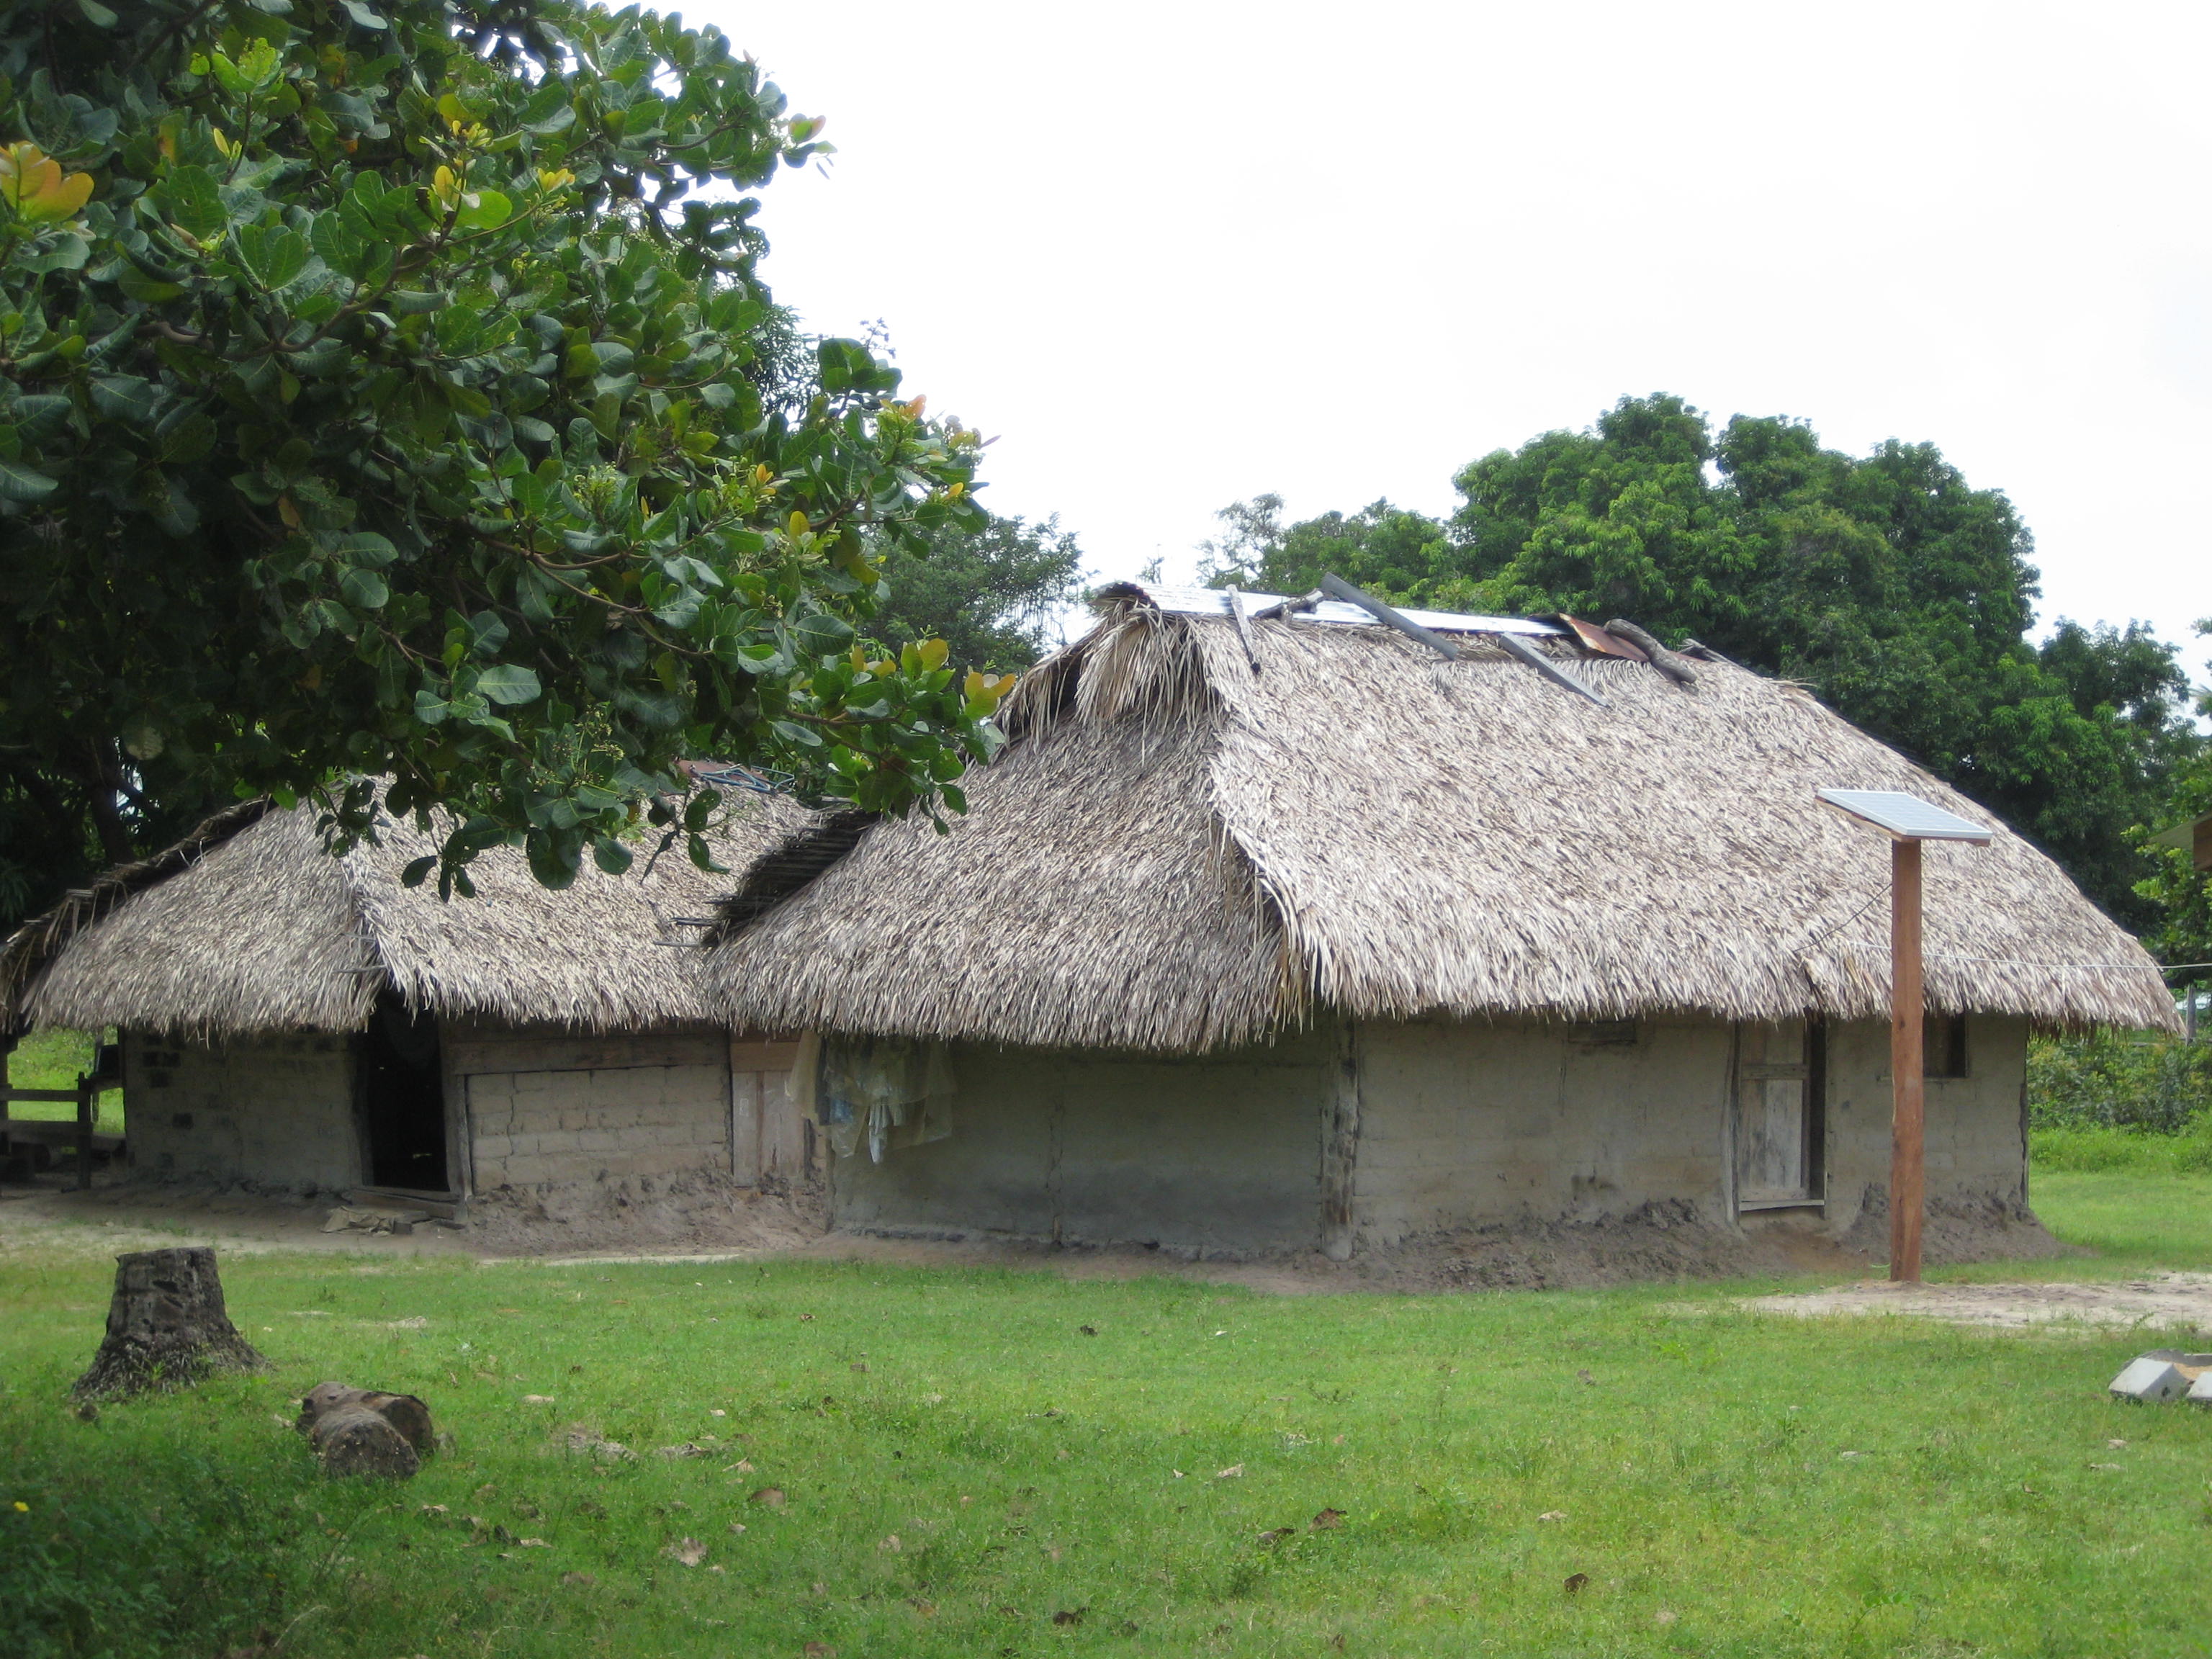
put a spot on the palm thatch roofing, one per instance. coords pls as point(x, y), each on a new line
point(247, 925)
point(1179, 851)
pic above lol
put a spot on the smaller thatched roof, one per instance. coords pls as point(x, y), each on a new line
point(247, 925)
point(1203, 834)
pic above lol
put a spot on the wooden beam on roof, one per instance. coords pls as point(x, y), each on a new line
point(1243, 626)
point(1544, 665)
point(1336, 588)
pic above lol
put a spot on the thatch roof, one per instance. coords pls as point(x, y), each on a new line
point(248, 925)
point(1177, 853)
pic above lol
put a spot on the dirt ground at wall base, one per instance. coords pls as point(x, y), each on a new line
point(637, 1215)
point(707, 1214)
point(1660, 1243)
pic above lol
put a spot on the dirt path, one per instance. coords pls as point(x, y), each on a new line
point(54, 1222)
point(2164, 1302)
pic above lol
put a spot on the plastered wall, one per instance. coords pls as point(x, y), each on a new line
point(1214, 1153)
point(1465, 1122)
point(275, 1111)
point(1976, 1137)
point(1460, 1122)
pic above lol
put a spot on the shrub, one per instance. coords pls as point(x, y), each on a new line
point(2153, 1085)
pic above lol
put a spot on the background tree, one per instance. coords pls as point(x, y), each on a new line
point(1900, 593)
point(1393, 549)
point(2179, 893)
point(389, 390)
point(993, 594)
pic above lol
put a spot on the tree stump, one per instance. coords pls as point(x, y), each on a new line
point(167, 1327)
point(366, 1431)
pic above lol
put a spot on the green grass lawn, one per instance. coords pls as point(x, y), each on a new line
point(2133, 1220)
point(968, 1471)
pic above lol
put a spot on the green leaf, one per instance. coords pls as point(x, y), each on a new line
point(19, 483)
point(126, 398)
point(553, 858)
point(274, 258)
point(364, 589)
point(187, 436)
point(549, 111)
point(363, 16)
point(791, 732)
point(365, 547)
point(489, 210)
point(137, 285)
point(611, 855)
point(820, 634)
point(431, 709)
point(65, 250)
point(194, 202)
point(509, 685)
point(417, 870)
point(97, 14)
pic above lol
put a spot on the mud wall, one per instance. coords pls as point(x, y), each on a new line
point(1976, 1145)
point(1467, 1122)
point(1460, 1124)
point(1204, 1154)
point(277, 1111)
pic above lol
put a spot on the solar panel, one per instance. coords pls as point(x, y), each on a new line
point(1904, 815)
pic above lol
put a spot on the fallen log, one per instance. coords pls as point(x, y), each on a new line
point(166, 1326)
point(366, 1430)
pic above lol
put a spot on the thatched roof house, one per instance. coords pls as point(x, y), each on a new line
point(303, 1002)
point(1254, 846)
point(247, 926)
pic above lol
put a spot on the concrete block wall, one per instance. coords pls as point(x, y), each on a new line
point(1217, 1153)
point(550, 1106)
point(1976, 1138)
point(276, 1110)
point(1465, 1122)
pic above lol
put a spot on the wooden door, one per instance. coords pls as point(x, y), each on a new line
point(1779, 1122)
point(767, 1136)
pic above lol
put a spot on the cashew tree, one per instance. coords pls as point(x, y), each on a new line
point(392, 415)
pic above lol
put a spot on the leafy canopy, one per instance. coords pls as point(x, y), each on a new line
point(991, 593)
point(390, 391)
point(2179, 893)
point(1901, 593)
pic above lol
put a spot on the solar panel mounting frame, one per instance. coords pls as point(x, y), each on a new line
point(1906, 817)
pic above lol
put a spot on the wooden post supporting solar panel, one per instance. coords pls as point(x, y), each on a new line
point(1908, 1169)
point(1908, 821)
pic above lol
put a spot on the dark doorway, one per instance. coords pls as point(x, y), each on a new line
point(403, 1099)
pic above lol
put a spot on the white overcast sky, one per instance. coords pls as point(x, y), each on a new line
point(1176, 255)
